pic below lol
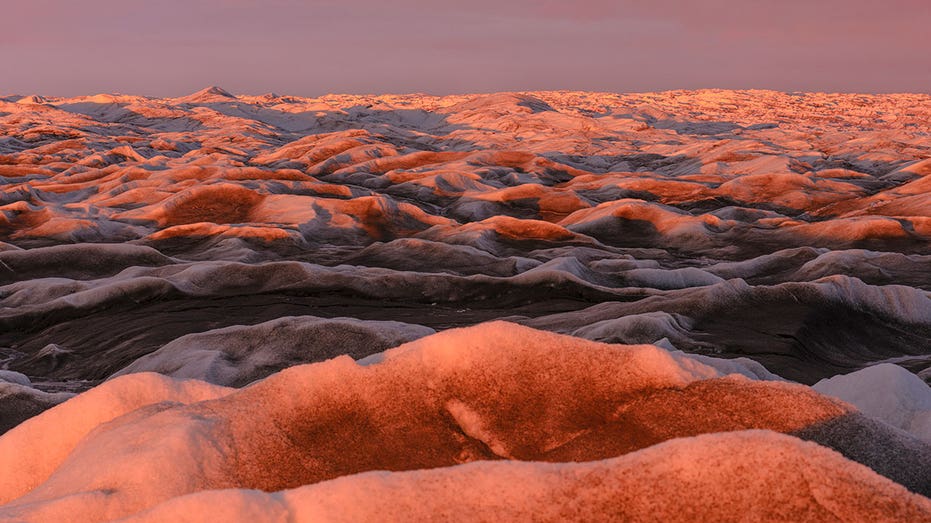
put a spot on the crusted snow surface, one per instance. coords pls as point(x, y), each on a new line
point(747, 475)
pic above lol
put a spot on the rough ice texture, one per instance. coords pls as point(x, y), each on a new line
point(495, 391)
point(800, 330)
point(19, 401)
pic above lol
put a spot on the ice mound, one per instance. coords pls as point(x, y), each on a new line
point(493, 391)
point(742, 366)
point(214, 203)
point(438, 257)
point(750, 475)
point(887, 392)
point(491, 195)
point(32, 99)
point(125, 168)
point(236, 356)
point(33, 450)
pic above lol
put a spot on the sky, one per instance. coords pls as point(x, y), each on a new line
point(310, 48)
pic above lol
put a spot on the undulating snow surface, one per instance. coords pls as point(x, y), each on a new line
point(243, 307)
point(490, 392)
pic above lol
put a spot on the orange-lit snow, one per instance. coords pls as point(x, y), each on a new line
point(487, 392)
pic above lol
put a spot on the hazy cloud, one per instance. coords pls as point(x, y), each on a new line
point(172, 47)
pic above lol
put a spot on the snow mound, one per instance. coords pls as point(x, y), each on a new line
point(30, 452)
point(207, 95)
point(887, 392)
point(764, 234)
point(493, 391)
point(33, 99)
point(235, 356)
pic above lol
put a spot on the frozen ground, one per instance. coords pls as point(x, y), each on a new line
point(725, 243)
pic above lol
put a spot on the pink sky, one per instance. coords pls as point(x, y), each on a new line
point(173, 47)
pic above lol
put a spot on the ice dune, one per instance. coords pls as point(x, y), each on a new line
point(40, 445)
point(802, 342)
point(236, 356)
point(496, 391)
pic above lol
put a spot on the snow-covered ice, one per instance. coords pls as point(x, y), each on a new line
point(238, 307)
